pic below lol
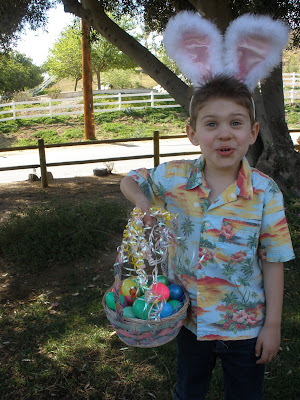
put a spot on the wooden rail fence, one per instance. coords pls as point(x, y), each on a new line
point(42, 153)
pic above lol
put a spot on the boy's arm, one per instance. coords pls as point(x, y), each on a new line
point(268, 340)
point(135, 195)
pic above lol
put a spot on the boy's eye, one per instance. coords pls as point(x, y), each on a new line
point(236, 123)
point(211, 124)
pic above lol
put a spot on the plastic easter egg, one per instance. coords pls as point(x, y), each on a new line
point(163, 279)
point(160, 290)
point(129, 300)
point(110, 301)
point(129, 287)
point(176, 292)
point(128, 312)
point(141, 309)
point(175, 305)
point(167, 311)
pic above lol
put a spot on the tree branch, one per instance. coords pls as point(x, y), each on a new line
point(73, 7)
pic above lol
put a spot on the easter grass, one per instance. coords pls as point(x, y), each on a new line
point(56, 342)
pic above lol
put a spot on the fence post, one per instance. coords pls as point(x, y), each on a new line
point(294, 79)
point(120, 101)
point(43, 166)
point(50, 108)
point(14, 109)
point(152, 99)
point(156, 148)
point(292, 96)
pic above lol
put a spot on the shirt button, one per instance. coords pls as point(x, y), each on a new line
point(196, 205)
point(207, 224)
point(232, 195)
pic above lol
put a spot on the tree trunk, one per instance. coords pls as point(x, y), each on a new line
point(98, 79)
point(218, 11)
point(274, 154)
point(75, 85)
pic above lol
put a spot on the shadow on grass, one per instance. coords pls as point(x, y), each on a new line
point(67, 351)
point(72, 355)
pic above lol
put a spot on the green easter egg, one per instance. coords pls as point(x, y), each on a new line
point(128, 312)
point(110, 301)
point(176, 305)
point(163, 279)
point(140, 309)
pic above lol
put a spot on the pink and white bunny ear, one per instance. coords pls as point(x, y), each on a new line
point(253, 46)
point(196, 46)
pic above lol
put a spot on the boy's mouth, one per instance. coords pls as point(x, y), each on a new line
point(225, 151)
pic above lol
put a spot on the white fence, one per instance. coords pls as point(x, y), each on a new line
point(70, 106)
point(291, 79)
point(112, 102)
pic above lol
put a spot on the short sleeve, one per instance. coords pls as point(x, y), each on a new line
point(275, 240)
point(152, 182)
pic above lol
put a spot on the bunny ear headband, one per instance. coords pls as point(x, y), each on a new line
point(249, 50)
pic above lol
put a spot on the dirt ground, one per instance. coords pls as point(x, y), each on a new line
point(20, 287)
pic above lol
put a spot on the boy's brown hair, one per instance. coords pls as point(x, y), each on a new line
point(221, 86)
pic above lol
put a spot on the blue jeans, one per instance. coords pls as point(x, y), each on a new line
point(243, 378)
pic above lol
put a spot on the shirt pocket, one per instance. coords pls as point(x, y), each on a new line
point(236, 236)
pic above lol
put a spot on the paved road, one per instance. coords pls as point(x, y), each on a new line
point(97, 151)
point(89, 152)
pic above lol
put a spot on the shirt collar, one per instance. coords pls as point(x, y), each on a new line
point(243, 183)
point(195, 177)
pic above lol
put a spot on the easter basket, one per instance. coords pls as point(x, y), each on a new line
point(152, 331)
point(146, 333)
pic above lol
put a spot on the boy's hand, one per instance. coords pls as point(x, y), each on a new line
point(144, 206)
point(267, 344)
point(134, 193)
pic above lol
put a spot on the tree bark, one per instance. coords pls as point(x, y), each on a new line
point(87, 84)
point(275, 153)
point(75, 84)
point(216, 10)
point(98, 79)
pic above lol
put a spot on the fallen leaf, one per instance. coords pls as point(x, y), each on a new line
point(53, 305)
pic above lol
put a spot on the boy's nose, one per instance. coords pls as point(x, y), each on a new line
point(224, 133)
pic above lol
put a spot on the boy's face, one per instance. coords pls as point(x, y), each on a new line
point(224, 133)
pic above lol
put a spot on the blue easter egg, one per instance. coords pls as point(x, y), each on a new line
point(176, 292)
point(167, 311)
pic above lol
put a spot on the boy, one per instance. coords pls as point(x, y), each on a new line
point(230, 246)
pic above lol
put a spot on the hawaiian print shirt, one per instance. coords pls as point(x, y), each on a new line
point(217, 251)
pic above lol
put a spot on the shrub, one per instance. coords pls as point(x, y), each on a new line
point(9, 127)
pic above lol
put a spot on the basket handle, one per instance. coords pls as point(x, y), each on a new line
point(117, 289)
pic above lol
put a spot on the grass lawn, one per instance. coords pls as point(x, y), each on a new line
point(55, 340)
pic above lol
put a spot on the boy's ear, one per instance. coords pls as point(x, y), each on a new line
point(254, 133)
point(192, 135)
